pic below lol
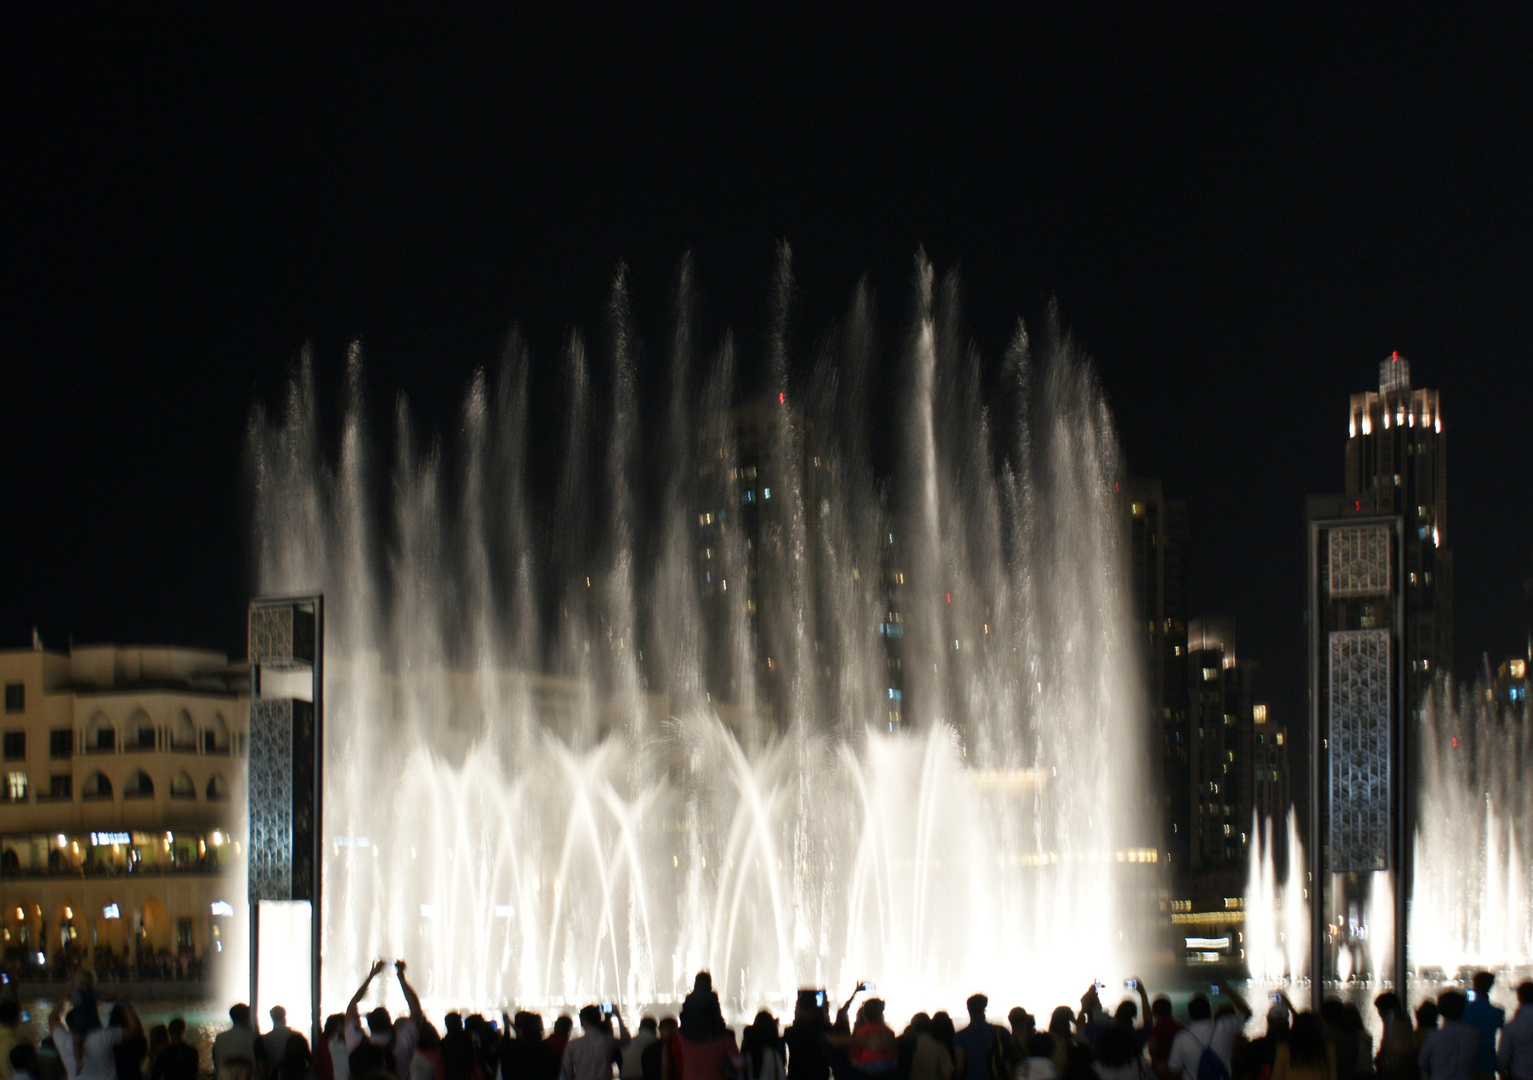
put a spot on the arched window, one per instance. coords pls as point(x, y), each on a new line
point(100, 735)
point(97, 786)
point(182, 786)
point(183, 733)
point(215, 737)
point(139, 734)
point(218, 788)
point(138, 786)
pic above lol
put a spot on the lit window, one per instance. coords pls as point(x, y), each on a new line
point(1210, 674)
point(1280, 738)
point(1259, 714)
point(16, 787)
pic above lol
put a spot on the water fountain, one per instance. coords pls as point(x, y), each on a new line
point(1472, 904)
point(719, 698)
point(1472, 893)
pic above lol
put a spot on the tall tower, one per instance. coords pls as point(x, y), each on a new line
point(1396, 466)
point(1158, 539)
point(1380, 629)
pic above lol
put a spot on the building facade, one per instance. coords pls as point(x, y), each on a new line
point(1379, 613)
point(120, 766)
point(1158, 539)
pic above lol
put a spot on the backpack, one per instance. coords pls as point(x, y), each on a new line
point(1210, 1065)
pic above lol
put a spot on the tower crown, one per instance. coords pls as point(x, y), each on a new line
point(1394, 373)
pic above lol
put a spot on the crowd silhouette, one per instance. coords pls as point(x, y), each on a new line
point(1459, 1035)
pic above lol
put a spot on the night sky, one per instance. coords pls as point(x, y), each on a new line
point(1237, 219)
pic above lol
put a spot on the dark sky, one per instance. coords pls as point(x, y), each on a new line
point(1238, 218)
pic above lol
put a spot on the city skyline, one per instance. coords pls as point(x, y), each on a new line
point(1236, 241)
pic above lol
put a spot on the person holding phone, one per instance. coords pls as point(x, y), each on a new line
point(805, 1037)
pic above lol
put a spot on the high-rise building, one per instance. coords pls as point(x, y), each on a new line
point(1396, 466)
point(1158, 538)
point(1379, 612)
point(1237, 761)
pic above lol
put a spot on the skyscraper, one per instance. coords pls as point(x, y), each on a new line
point(1379, 612)
point(1396, 466)
point(1158, 539)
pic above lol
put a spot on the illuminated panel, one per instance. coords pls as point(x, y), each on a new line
point(1360, 699)
point(1359, 560)
point(282, 971)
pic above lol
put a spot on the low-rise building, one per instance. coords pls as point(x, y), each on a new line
point(116, 805)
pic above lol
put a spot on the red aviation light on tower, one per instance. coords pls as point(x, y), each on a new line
point(782, 398)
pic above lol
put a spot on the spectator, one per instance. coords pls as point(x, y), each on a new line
point(179, 1060)
point(761, 1050)
point(1488, 1019)
point(528, 1056)
point(395, 1040)
point(1352, 1019)
point(1514, 1056)
point(458, 1057)
point(1118, 1058)
point(274, 1042)
point(1396, 1059)
point(704, 1047)
point(1306, 1055)
point(427, 1062)
point(1163, 1029)
point(333, 1036)
point(1261, 1055)
point(874, 1053)
point(131, 1053)
point(561, 1036)
point(239, 1040)
point(929, 1058)
point(1448, 1052)
point(1039, 1062)
point(1203, 1032)
point(805, 1038)
point(632, 1067)
point(1062, 1031)
point(99, 1059)
point(971, 1046)
point(591, 1055)
point(656, 1064)
point(296, 1063)
point(1333, 1018)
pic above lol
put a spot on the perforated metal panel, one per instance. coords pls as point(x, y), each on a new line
point(281, 800)
point(1360, 666)
point(281, 636)
point(1359, 560)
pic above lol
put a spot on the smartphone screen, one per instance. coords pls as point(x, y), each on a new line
point(819, 998)
point(1470, 995)
point(1132, 984)
point(1213, 988)
point(1274, 997)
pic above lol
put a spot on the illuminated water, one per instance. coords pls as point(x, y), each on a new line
point(709, 774)
point(1472, 896)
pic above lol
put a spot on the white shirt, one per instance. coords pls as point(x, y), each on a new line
point(339, 1057)
point(1187, 1047)
point(98, 1062)
point(64, 1043)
